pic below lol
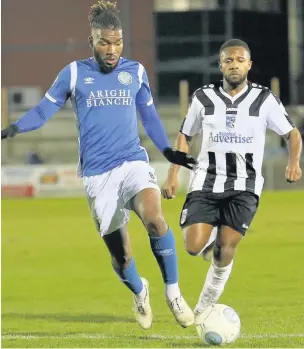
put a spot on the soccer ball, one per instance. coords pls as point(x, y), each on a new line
point(218, 325)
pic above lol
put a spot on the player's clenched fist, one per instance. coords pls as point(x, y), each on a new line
point(293, 173)
point(170, 187)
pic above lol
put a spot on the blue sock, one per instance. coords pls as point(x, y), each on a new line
point(130, 277)
point(165, 253)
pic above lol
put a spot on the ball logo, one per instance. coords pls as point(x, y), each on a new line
point(231, 315)
point(125, 78)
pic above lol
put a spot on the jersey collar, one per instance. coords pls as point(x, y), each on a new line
point(238, 95)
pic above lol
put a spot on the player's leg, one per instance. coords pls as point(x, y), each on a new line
point(220, 268)
point(196, 199)
point(119, 245)
point(142, 195)
point(111, 220)
point(236, 215)
point(199, 219)
point(147, 205)
point(197, 241)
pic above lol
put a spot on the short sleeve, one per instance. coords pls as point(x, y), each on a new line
point(192, 123)
point(60, 91)
point(144, 95)
point(278, 119)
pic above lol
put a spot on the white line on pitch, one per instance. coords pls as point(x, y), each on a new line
point(152, 336)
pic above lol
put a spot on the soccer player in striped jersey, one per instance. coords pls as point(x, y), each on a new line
point(105, 91)
point(224, 192)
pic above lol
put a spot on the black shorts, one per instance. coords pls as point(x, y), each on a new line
point(235, 209)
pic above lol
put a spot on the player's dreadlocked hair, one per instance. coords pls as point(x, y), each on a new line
point(104, 15)
point(233, 43)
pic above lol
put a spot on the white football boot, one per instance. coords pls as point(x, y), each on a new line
point(182, 312)
point(142, 309)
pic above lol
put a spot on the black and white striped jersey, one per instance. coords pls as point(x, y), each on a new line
point(233, 133)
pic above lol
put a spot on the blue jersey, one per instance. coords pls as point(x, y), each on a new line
point(105, 107)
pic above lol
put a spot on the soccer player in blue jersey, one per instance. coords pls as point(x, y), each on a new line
point(105, 91)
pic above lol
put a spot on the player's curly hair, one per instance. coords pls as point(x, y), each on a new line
point(104, 15)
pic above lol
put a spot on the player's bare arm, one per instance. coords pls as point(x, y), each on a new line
point(170, 186)
point(190, 127)
point(293, 170)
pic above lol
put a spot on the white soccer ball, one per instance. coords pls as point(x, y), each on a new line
point(218, 325)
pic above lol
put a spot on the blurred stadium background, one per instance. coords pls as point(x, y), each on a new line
point(55, 291)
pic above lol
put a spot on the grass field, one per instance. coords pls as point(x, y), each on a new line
point(58, 288)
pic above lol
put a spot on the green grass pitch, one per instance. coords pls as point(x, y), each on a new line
point(58, 288)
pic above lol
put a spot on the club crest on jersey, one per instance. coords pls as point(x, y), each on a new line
point(230, 121)
point(125, 78)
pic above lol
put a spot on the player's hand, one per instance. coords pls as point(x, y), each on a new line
point(9, 132)
point(170, 186)
point(179, 158)
point(293, 173)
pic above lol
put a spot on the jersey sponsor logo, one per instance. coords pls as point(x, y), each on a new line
point(125, 78)
point(228, 137)
point(101, 98)
point(88, 80)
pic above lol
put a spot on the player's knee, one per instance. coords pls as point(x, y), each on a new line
point(193, 252)
point(224, 252)
point(193, 248)
point(194, 240)
point(156, 226)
